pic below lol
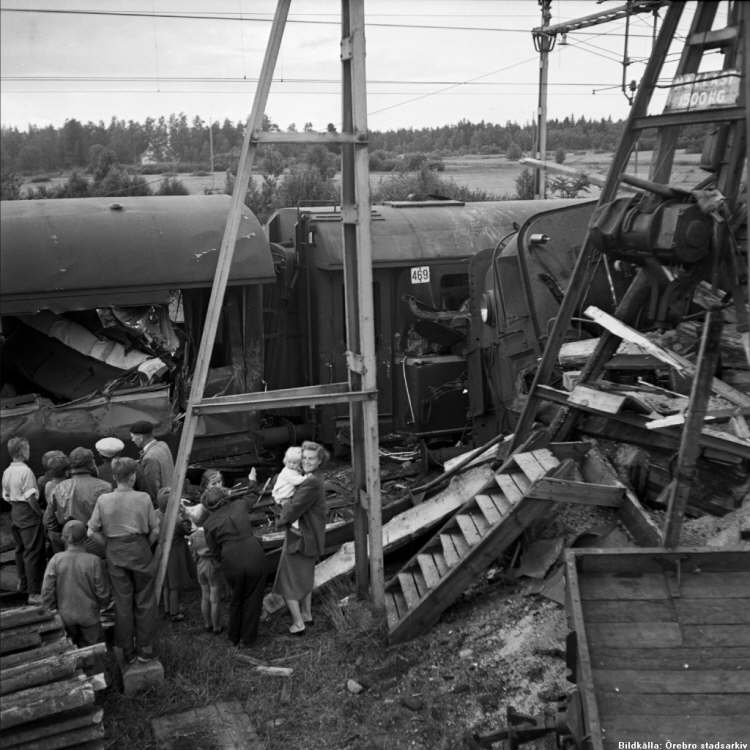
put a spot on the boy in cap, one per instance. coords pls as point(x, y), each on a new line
point(74, 498)
point(20, 490)
point(157, 465)
point(108, 448)
point(126, 523)
point(76, 585)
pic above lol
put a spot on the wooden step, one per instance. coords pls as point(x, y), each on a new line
point(469, 529)
point(535, 464)
point(391, 610)
point(483, 528)
point(440, 563)
point(419, 581)
point(429, 569)
point(409, 589)
point(513, 484)
point(451, 554)
point(490, 511)
point(504, 505)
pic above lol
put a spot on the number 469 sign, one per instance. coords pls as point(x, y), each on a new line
point(420, 275)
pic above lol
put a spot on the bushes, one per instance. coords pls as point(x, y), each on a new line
point(305, 184)
point(172, 186)
point(514, 152)
point(10, 186)
point(525, 185)
point(425, 185)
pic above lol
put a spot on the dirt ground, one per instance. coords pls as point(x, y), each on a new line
point(498, 646)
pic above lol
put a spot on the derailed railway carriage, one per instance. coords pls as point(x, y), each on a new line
point(420, 254)
point(103, 302)
point(517, 288)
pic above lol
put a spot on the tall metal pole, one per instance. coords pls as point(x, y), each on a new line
point(543, 43)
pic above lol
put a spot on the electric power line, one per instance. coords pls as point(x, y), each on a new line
point(245, 18)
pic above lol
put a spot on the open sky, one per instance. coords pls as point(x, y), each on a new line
point(429, 62)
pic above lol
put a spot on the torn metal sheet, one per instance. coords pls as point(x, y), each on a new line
point(63, 427)
point(81, 340)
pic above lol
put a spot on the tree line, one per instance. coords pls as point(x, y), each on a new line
point(176, 140)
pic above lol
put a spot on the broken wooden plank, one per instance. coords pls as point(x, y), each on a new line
point(251, 660)
point(739, 426)
point(679, 363)
point(575, 354)
point(224, 724)
point(275, 671)
point(675, 420)
point(582, 493)
point(405, 526)
point(583, 395)
point(682, 484)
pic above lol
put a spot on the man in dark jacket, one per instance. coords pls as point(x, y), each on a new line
point(74, 499)
point(156, 464)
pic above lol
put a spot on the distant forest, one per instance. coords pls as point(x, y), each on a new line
point(188, 145)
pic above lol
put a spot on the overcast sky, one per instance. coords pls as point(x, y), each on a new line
point(478, 64)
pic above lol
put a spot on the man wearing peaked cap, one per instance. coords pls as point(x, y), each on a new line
point(108, 448)
point(156, 464)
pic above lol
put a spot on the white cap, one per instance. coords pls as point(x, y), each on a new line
point(109, 447)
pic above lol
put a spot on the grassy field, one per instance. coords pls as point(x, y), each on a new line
point(493, 174)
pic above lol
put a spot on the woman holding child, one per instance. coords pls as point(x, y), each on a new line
point(303, 546)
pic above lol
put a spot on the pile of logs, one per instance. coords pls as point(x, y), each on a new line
point(47, 699)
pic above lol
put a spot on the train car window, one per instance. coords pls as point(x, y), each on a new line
point(454, 290)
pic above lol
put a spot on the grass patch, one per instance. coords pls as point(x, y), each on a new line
point(201, 668)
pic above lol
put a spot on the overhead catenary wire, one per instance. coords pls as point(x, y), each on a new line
point(261, 19)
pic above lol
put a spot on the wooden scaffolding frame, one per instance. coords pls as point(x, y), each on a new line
point(359, 391)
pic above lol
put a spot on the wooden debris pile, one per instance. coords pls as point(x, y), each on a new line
point(48, 701)
point(640, 409)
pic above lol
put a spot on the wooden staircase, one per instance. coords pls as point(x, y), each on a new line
point(468, 543)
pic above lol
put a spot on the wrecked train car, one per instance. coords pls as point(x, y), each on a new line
point(517, 288)
point(102, 305)
point(420, 252)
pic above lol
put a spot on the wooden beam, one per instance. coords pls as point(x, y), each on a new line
point(582, 493)
point(675, 420)
point(327, 139)
point(678, 362)
point(221, 277)
point(412, 522)
point(626, 333)
point(314, 395)
point(583, 395)
point(681, 486)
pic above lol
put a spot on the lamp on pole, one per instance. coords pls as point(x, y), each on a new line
point(543, 44)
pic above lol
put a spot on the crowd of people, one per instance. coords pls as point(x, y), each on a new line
point(86, 539)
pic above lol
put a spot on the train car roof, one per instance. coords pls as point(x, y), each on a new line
point(405, 232)
point(80, 253)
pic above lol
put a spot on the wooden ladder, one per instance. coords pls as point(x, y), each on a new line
point(700, 39)
point(467, 544)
